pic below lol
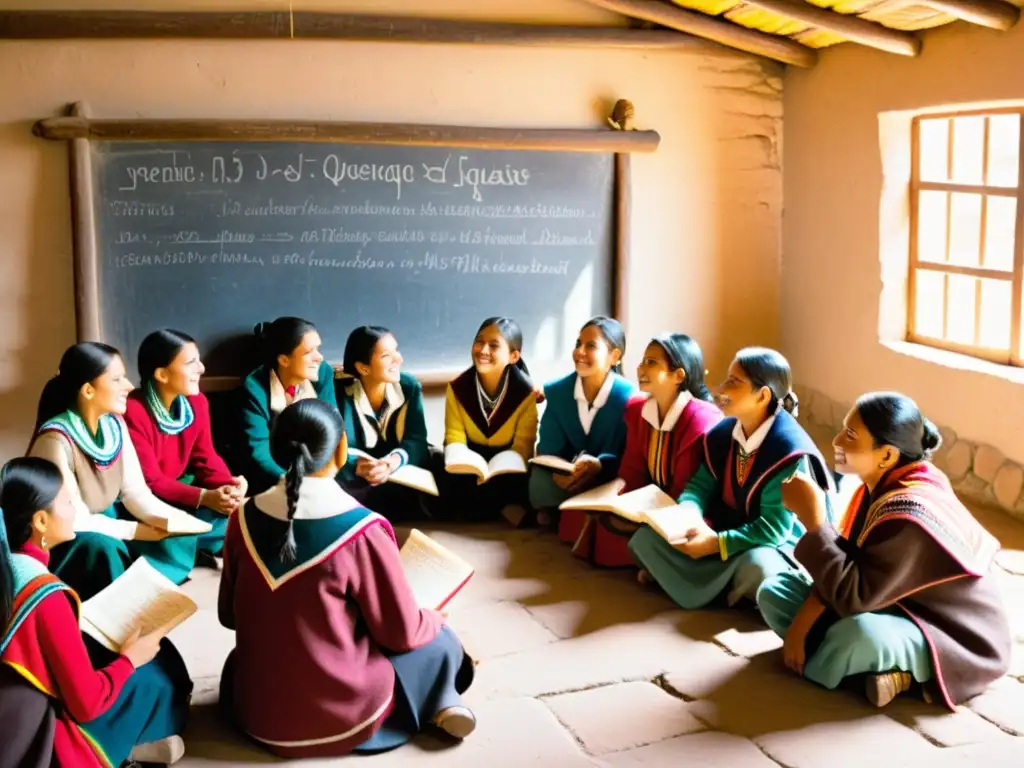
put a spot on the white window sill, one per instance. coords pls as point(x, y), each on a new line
point(956, 360)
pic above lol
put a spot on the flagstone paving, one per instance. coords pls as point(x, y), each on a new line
point(583, 667)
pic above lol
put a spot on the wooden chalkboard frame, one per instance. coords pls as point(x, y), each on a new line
point(78, 129)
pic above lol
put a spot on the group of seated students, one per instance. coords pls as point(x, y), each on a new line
point(333, 655)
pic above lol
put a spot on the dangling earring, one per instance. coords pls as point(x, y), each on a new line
point(42, 543)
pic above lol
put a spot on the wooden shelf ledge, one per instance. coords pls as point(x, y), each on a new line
point(566, 139)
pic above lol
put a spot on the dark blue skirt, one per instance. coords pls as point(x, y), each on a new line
point(428, 680)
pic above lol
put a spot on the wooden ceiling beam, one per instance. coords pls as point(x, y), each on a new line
point(280, 25)
point(994, 14)
point(852, 28)
point(733, 35)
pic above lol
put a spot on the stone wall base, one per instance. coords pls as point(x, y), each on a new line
point(978, 472)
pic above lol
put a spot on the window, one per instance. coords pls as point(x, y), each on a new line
point(966, 246)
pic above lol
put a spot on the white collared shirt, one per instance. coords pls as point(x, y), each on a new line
point(319, 498)
point(374, 428)
point(586, 410)
point(750, 444)
point(279, 398)
point(650, 412)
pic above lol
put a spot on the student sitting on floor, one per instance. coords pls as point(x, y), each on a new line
point(294, 370)
point(582, 423)
point(169, 421)
point(746, 533)
point(491, 407)
point(383, 411)
point(332, 653)
point(664, 433)
point(79, 428)
point(904, 591)
point(56, 707)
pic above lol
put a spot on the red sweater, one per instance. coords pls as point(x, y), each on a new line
point(165, 458)
point(50, 647)
point(683, 447)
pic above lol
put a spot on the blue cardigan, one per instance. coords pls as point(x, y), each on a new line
point(562, 435)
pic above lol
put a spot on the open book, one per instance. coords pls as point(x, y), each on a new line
point(417, 478)
point(140, 598)
point(645, 506)
point(435, 573)
point(554, 463)
point(462, 460)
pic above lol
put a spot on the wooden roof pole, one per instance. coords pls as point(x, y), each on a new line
point(733, 35)
point(986, 13)
point(853, 28)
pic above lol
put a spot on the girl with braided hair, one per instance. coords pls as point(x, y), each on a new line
point(333, 655)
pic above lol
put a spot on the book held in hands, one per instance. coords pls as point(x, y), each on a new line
point(459, 459)
point(410, 476)
point(435, 573)
point(645, 506)
point(141, 598)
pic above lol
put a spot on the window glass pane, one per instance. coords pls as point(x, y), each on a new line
point(995, 314)
point(965, 229)
point(968, 149)
point(931, 225)
point(1003, 150)
point(928, 303)
point(933, 149)
point(960, 314)
point(1000, 232)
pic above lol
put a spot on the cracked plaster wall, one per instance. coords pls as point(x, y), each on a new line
point(706, 207)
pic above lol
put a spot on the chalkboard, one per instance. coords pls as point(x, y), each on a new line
point(210, 237)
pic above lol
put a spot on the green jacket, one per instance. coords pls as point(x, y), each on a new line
point(262, 471)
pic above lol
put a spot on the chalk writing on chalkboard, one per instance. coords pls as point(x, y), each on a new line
point(211, 237)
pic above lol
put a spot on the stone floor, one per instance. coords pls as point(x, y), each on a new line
point(582, 667)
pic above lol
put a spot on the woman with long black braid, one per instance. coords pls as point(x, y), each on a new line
point(343, 659)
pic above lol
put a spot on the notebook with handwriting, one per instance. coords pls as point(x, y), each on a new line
point(435, 573)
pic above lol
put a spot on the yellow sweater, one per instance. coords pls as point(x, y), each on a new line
point(513, 423)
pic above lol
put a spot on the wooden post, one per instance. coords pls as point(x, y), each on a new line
point(622, 119)
point(87, 287)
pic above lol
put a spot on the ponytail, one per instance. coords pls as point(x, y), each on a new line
point(299, 467)
point(53, 401)
point(790, 403)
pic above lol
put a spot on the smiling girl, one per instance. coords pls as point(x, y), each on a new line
point(491, 407)
point(383, 411)
point(79, 428)
point(64, 698)
point(746, 533)
point(295, 370)
point(903, 592)
point(169, 421)
point(582, 423)
point(663, 438)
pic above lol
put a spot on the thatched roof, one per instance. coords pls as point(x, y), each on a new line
point(786, 29)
